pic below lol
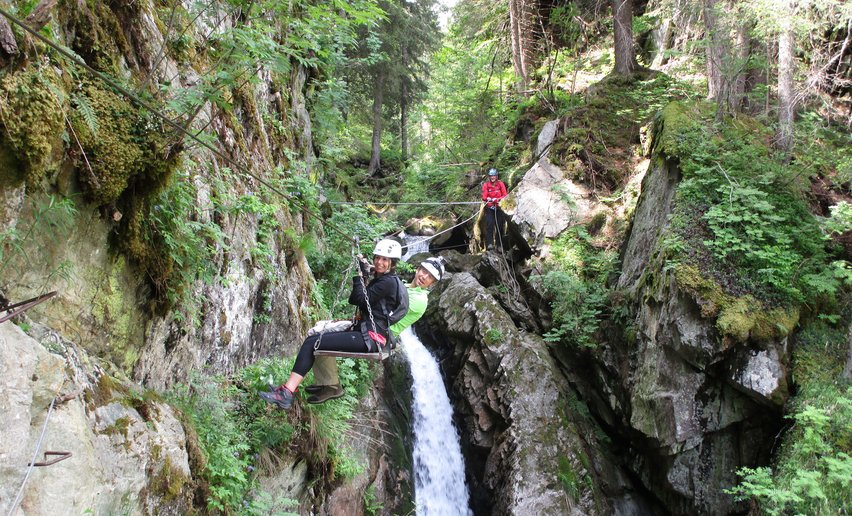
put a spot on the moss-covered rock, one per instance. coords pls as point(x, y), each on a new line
point(111, 152)
point(31, 106)
point(741, 318)
point(99, 37)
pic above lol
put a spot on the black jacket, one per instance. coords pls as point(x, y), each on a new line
point(384, 287)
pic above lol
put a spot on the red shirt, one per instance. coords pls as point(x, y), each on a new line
point(495, 190)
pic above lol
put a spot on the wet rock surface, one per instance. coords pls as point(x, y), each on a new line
point(526, 452)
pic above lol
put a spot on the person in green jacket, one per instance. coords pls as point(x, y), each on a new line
point(327, 385)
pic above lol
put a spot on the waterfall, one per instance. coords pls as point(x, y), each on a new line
point(439, 483)
point(414, 244)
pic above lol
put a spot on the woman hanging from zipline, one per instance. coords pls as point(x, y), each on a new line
point(383, 304)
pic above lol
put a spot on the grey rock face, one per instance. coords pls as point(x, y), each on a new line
point(696, 406)
point(649, 220)
point(546, 202)
point(525, 454)
point(121, 462)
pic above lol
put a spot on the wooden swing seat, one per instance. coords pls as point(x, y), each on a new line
point(344, 354)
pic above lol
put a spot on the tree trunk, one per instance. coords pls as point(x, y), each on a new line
point(728, 48)
point(403, 107)
point(378, 98)
point(786, 90)
point(625, 52)
point(522, 29)
point(738, 89)
point(517, 55)
point(713, 50)
point(403, 123)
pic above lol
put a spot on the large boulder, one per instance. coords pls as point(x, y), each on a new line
point(128, 455)
point(695, 404)
point(546, 201)
point(525, 449)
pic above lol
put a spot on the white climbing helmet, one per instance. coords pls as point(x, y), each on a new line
point(388, 248)
point(435, 267)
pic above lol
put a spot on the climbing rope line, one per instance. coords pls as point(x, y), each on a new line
point(130, 95)
point(440, 203)
point(339, 295)
point(35, 455)
point(430, 237)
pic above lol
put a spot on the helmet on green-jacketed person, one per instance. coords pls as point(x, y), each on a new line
point(435, 267)
point(388, 248)
point(492, 172)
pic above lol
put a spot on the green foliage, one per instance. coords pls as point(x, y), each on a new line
point(263, 428)
point(493, 336)
point(234, 425)
point(173, 244)
point(467, 117)
point(813, 470)
point(332, 421)
point(371, 505)
point(840, 220)
point(268, 504)
point(568, 477)
point(740, 212)
point(575, 285)
point(205, 402)
point(604, 124)
point(50, 219)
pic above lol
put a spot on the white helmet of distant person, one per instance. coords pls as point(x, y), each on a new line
point(435, 267)
point(388, 248)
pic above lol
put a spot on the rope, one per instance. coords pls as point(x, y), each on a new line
point(345, 276)
point(236, 166)
point(33, 461)
point(436, 203)
point(426, 239)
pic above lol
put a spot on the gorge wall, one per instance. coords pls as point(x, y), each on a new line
point(659, 416)
point(85, 170)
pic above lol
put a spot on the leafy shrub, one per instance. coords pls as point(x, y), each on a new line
point(334, 420)
point(206, 405)
point(576, 288)
point(813, 470)
point(741, 213)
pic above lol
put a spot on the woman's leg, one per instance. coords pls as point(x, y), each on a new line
point(489, 226)
point(348, 341)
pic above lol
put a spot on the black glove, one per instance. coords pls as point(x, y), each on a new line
point(365, 266)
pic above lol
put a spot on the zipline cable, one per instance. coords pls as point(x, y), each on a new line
point(435, 203)
point(127, 93)
point(426, 239)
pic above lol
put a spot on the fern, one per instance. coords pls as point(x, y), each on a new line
point(84, 107)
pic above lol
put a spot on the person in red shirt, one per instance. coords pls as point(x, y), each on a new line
point(493, 191)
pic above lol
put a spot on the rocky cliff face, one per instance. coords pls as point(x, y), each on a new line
point(660, 416)
point(104, 296)
point(132, 455)
point(696, 404)
point(528, 447)
point(128, 454)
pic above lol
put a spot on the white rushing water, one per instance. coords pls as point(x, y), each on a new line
point(439, 483)
point(414, 244)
